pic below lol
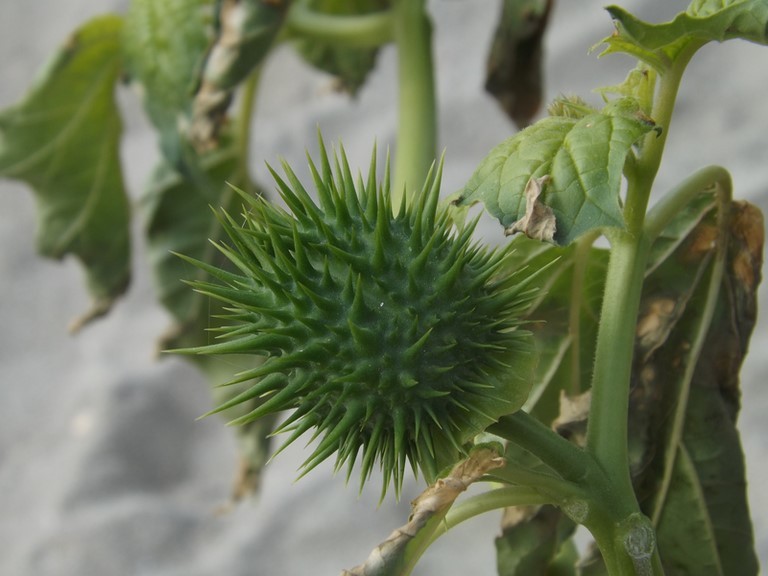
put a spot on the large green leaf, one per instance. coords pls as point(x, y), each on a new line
point(703, 22)
point(164, 44)
point(564, 168)
point(62, 139)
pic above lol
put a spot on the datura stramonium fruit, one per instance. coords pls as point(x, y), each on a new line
point(390, 333)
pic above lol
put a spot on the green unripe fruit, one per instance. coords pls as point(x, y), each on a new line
point(393, 336)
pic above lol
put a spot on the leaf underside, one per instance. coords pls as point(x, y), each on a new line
point(62, 140)
point(704, 21)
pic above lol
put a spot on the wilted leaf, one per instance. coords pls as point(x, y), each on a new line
point(400, 551)
point(691, 475)
point(350, 65)
point(703, 22)
point(583, 158)
point(245, 32)
point(164, 44)
point(514, 66)
point(62, 139)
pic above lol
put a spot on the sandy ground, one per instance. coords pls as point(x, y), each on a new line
point(103, 467)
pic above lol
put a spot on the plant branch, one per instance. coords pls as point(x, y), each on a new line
point(679, 197)
point(495, 499)
point(361, 31)
point(571, 462)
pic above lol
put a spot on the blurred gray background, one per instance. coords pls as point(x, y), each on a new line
point(103, 466)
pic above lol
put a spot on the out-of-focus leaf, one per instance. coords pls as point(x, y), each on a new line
point(704, 21)
point(563, 319)
point(514, 68)
point(164, 44)
point(531, 539)
point(399, 552)
point(350, 65)
point(245, 32)
point(62, 139)
point(578, 163)
point(179, 219)
point(691, 478)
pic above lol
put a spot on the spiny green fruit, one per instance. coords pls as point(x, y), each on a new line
point(391, 334)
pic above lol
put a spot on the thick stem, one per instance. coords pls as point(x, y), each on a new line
point(607, 429)
point(417, 115)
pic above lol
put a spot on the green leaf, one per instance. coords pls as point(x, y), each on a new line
point(515, 76)
point(62, 139)
point(164, 45)
point(703, 22)
point(350, 65)
point(581, 161)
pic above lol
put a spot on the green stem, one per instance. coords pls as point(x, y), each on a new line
point(580, 264)
point(647, 165)
point(607, 429)
point(679, 197)
point(243, 130)
point(417, 116)
point(360, 31)
point(571, 462)
point(495, 499)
